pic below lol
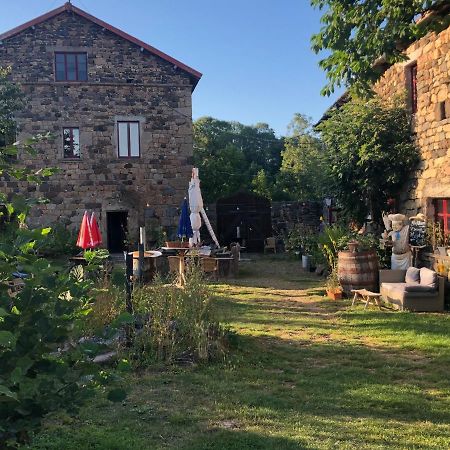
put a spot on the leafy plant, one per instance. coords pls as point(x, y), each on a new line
point(39, 371)
point(178, 324)
point(333, 284)
point(60, 241)
point(370, 152)
point(301, 238)
point(356, 34)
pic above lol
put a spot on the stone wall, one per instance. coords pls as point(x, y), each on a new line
point(125, 82)
point(431, 121)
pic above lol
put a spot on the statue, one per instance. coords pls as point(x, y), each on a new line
point(397, 235)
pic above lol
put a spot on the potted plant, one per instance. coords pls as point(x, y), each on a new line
point(437, 237)
point(333, 286)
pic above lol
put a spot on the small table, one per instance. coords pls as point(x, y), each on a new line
point(366, 296)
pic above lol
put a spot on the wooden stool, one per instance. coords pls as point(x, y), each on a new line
point(366, 296)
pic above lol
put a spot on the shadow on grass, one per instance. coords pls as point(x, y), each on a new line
point(241, 440)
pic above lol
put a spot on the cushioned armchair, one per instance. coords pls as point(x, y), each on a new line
point(413, 290)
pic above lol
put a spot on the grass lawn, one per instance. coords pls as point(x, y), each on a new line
point(307, 373)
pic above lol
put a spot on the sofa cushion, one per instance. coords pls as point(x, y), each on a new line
point(412, 275)
point(414, 287)
point(428, 278)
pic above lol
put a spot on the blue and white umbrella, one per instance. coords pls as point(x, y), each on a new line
point(184, 225)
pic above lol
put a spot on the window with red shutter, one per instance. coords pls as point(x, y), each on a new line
point(442, 208)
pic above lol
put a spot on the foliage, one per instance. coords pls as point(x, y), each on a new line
point(301, 238)
point(435, 234)
point(333, 240)
point(370, 153)
point(178, 324)
point(37, 314)
point(304, 172)
point(231, 156)
point(333, 284)
point(356, 34)
point(60, 241)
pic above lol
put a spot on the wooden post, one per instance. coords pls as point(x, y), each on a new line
point(129, 281)
point(140, 262)
point(142, 237)
point(128, 299)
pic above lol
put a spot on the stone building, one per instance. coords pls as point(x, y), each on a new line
point(426, 78)
point(120, 113)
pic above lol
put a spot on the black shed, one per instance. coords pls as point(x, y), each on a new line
point(245, 218)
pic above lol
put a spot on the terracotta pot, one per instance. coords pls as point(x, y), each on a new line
point(334, 294)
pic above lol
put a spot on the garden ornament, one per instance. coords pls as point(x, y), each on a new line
point(399, 236)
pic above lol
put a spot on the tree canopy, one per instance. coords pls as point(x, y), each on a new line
point(231, 155)
point(370, 153)
point(357, 33)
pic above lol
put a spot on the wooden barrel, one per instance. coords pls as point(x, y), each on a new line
point(358, 270)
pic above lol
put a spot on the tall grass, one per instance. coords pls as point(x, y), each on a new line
point(177, 324)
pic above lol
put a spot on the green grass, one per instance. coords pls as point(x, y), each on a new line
point(307, 373)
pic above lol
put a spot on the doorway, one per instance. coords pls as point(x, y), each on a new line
point(117, 226)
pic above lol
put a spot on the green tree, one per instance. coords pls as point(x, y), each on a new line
point(303, 173)
point(231, 155)
point(357, 33)
point(370, 152)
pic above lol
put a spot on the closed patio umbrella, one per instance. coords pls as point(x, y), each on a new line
point(85, 234)
point(195, 205)
point(197, 210)
point(184, 225)
point(95, 232)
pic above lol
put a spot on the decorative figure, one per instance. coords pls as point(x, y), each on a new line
point(397, 235)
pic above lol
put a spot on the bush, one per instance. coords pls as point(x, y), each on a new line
point(59, 242)
point(177, 324)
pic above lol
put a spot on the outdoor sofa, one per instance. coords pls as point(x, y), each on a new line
point(413, 289)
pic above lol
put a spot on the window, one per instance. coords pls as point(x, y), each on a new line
point(71, 142)
point(442, 208)
point(128, 139)
point(70, 66)
point(412, 86)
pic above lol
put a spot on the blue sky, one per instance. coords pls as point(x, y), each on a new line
point(255, 55)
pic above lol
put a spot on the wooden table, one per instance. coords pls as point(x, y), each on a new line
point(366, 296)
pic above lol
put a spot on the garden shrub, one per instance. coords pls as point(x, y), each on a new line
point(60, 241)
point(39, 370)
point(178, 324)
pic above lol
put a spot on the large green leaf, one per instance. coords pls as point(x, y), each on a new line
point(7, 339)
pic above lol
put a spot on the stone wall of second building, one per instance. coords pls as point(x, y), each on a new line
point(431, 180)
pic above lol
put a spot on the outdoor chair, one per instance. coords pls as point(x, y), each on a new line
point(210, 267)
point(270, 244)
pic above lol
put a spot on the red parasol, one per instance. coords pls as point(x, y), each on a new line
point(85, 235)
point(95, 232)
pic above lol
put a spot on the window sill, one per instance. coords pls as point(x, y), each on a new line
point(73, 160)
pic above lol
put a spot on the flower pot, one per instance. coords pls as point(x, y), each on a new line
point(353, 246)
point(334, 294)
point(442, 251)
point(305, 262)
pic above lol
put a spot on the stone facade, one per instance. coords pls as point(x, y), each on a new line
point(431, 55)
point(125, 82)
